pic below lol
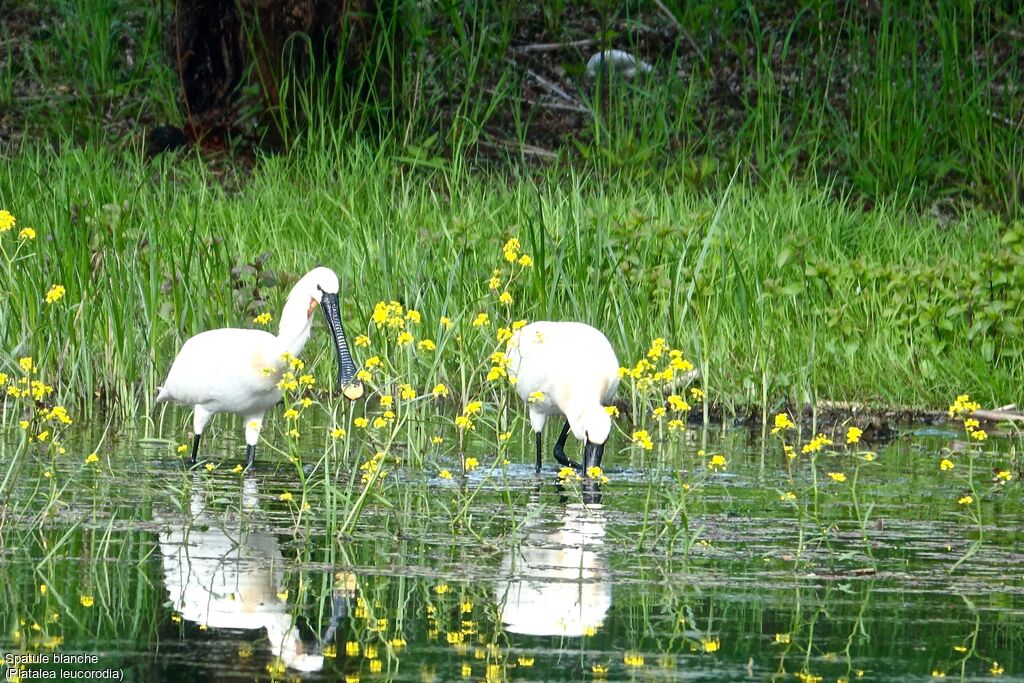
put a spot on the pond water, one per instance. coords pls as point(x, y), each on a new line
point(763, 567)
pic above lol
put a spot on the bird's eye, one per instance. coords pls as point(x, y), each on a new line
point(320, 288)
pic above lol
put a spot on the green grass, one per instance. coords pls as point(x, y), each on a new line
point(778, 293)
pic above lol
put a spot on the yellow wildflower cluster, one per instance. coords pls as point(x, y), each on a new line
point(7, 220)
point(373, 467)
point(263, 319)
point(464, 422)
point(568, 474)
point(853, 435)
point(471, 464)
point(963, 405)
point(598, 474)
point(816, 444)
point(837, 476)
point(389, 314)
point(660, 364)
point(643, 439)
point(499, 366)
point(634, 659)
point(55, 294)
point(717, 462)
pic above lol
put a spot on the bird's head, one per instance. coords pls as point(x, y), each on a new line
point(319, 287)
point(592, 427)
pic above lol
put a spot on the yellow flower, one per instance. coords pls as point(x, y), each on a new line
point(26, 364)
point(307, 381)
point(286, 496)
point(439, 390)
point(782, 422)
point(518, 325)
point(210, 467)
point(525, 662)
point(783, 638)
point(678, 404)
point(995, 669)
point(55, 294)
point(869, 456)
point(463, 422)
point(505, 298)
point(504, 436)
point(352, 648)
point(504, 334)
point(481, 319)
point(337, 433)
point(966, 500)
point(853, 434)
point(43, 436)
point(7, 220)
point(525, 261)
point(406, 392)
point(1003, 476)
point(717, 462)
point(86, 600)
point(413, 316)
point(472, 464)
point(404, 338)
point(971, 424)
point(963, 404)
point(445, 322)
point(364, 376)
point(263, 319)
point(473, 407)
point(373, 362)
point(816, 444)
point(362, 340)
point(291, 414)
point(437, 440)
point(697, 394)
point(837, 476)
point(946, 464)
point(91, 458)
point(567, 473)
point(787, 496)
point(236, 469)
point(27, 234)
point(387, 400)
point(711, 644)
point(643, 439)
point(426, 345)
point(494, 282)
point(42, 588)
point(536, 396)
point(182, 448)
point(979, 435)
point(634, 659)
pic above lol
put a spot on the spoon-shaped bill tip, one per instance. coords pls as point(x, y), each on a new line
point(353, 391)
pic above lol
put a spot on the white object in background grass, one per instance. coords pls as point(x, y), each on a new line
point(556, 583)
point(570, 369)
point(616, 61)
point(232, 370)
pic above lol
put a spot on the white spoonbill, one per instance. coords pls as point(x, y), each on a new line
point(237, 370)
point(570, 369)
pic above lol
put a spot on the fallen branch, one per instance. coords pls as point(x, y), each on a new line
point(553, 47)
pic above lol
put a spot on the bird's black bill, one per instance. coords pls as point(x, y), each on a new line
point(592, 454)
point(347, 382)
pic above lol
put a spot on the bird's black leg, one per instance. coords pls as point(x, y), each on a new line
point(195, 447)
point(539, 452)
point(250, 457)
point(560, 449)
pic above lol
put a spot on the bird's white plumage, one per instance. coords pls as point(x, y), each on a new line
point(232, 370)
point(556, 583)
point(574, 369)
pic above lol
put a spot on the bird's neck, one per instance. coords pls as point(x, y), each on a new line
point(296, 323)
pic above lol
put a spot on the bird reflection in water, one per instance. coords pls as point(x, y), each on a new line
point(556, 580)
point(219, 575)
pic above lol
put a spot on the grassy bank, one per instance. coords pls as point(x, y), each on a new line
point(778, 293)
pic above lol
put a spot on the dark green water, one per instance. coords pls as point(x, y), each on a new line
point(671, 572)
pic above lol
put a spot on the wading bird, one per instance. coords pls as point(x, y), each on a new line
point(570, 369)
point(237, 370)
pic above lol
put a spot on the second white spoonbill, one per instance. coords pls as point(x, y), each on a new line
point(570, 369)
point(237, 371)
